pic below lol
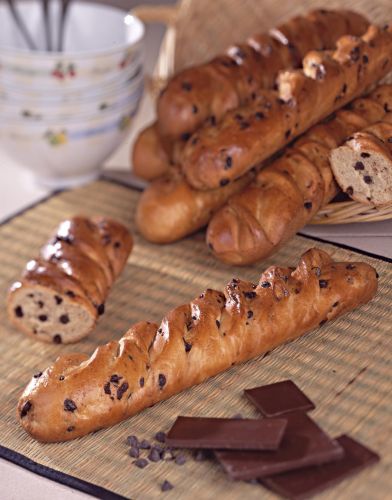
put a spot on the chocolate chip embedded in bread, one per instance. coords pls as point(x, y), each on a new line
point(64, 319)
point(141, 381)
point(250, 295)
point(106, 389)
point(25, 409)
point(101, 309)
point(249, 314)
point(228, 162)
point(323, 283)
point(122, 390)
point(365, 155)
point(359, 166)
point(308, 205)
point(187, 345)
point(18, 312)
point(37, 375)
point(350, 190)
point(217, 322)
point(43, 317)
point(161, 380)
point(367, 179)
point(70, 293)
point(69, 405)
point(57, 339)
point(58, 299)
point(71, 428)
point(350, 267)
point(265, 284)
point(115, 379)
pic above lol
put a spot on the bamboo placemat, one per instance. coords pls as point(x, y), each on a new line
point(344, 367)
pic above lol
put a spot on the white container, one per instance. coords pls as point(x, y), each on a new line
point(100, 44)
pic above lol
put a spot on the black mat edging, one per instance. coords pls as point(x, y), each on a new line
point(59, 477)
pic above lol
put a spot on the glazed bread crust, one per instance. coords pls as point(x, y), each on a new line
point(363, 165)
point(208, 91)
point(78, 394)
point(62, 293)
point(214, 156)
point(170, 209)
point(290, 191)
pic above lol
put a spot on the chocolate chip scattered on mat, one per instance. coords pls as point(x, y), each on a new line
point(180, 459)
point(144, 444)
point(132, 441)
point(141, 463)
point(278, 399)
point(134, 452)
point(160, 437)
point(166, 486)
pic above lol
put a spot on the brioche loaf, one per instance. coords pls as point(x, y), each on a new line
point(170, 209)
point(288, 193)
point(62, 293)
point(214, 156)
point(363, 165)
point(78, 395)
point(208, 91)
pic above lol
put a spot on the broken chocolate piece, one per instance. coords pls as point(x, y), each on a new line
point(303, 444)
point(310, 481)
point(278, 399)
point(225, 433)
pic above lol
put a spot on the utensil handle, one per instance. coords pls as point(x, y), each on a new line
point(21, 25)
point(47, 25)
point(63, 18)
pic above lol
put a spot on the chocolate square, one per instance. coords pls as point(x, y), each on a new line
point(279, 398)
point(226, 433)
point(307, 482)
point(303, 444)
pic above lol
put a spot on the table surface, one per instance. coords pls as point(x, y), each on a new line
point(18, 191)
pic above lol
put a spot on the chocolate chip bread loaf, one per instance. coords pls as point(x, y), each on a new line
point(62, 292)
point(363, 165)
point(290, 191)
point(170, 209)
point(78, 395)
point(215, 156)
point(208, 91)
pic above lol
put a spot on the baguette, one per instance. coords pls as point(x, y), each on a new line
point(208, 91)
point(214, 156)
point(62, 293)
point(149, 157)
point(288, 193)
point(170, 209)
point(363, 165)
point(78, 395)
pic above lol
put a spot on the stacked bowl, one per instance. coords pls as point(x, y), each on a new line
point(62, 113)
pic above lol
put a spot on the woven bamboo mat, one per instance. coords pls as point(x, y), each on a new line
point(344, 367)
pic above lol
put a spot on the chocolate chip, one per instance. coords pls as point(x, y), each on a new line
point(58, 299)
point(365, 59)
point(244, 125)
point(229, 162)
point(195, 109)
point(122, 390)
point(101, 309)
point(37, 375)
point(265, 284)
point(355, 54)
point(64, 319)
point(61, 378)
point(250, 295)
point(161, 380)
point(287, 133)
point(18, 312)
point(224, 182)
point(141, 381)
point(350, 190)
point(186, 86)
point(308, 205)
point(117, 244)
point(134, 452)
point(31, 295)
point(160, 437)
point(367, 179)
point(249, 314)
point(115, 379)
point(43, 317)
point(57, 339)
point(166, 486)
point(141, 463)
point(212, 120)
point(185, 136)
point(217, 322)
point(365, 155)
point(144, 444)
point(344, 88)
point(106, 389)
point(132, 441)
point(69, 405)
point(323, 283)
point(187, 345)
point(154, 455)
point(350, 267)
point(259, 115)
point(40, 304)
point(71, 428)
point(180, 459)
point(70, 293)
point(335, 304)
point(359, 166)
point(25, 409)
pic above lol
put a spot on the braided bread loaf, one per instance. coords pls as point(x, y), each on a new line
point(208, 91)
point(78, 395)
point(363, 165)
point(214, 156)
point(62, 293)
point(289, 192)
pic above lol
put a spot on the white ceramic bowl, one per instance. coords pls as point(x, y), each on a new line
point(100, 44)
point(65, 155)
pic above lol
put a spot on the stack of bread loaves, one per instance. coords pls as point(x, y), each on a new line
point(221, 123)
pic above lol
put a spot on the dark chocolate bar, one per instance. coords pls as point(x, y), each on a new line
point(303, 444)
point(278, 399)
point(307, 482)
point(226, 433)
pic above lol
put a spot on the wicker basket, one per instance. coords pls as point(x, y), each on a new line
point(199, 29)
